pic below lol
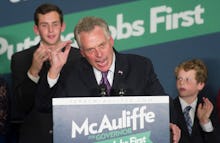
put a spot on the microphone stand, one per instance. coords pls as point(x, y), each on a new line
point(102, 90)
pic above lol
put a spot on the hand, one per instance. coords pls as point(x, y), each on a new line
point(204, 111)
point(58, 58)
point(39, 57)
point(175, 133)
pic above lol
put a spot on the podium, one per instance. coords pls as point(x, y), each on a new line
point(124, 119)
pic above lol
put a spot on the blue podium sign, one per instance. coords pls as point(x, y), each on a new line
point(133, 119)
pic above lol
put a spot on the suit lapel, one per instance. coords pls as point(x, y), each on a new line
point(181, 119)
point(121, 72)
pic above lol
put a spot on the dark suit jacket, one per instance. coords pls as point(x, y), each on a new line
point(134, 74)
point(36, 126)
point(198, 135)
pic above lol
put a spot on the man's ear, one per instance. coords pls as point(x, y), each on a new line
point(111, 41)
point(82, 53)
point(36, 31)
point(63, 27)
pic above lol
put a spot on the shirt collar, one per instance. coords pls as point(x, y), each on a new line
point(184, 104)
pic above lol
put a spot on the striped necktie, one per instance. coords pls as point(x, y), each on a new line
point(188, 119)
point(105, 81)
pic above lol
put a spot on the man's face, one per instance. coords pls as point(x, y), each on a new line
point(49, 28)
point(97, 48)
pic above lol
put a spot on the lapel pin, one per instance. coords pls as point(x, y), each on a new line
point(120, 72)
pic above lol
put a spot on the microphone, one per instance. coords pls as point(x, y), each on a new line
point(121, 92)
point(102, 90)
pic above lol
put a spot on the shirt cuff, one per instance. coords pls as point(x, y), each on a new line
point(208, 127)
point(33, 78)
point(51, 81)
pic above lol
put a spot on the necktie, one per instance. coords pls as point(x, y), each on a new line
point(105, 81)
point(188, 119)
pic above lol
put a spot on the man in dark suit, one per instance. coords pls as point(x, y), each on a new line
point(27, 68)
point(126, 74)
point(201, 126)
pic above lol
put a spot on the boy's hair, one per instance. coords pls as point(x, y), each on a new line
point(197, 65)
point(46, 8)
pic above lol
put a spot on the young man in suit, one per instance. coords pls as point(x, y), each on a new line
point(27, 67)
point(126, 74)
point(196, 115)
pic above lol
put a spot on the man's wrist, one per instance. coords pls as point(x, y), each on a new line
point(32, 77)
point(52, 74)
point(52, 81)
point(33, 73)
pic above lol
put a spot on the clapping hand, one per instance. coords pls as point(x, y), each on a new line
point(39, 57)
point(175, 133)
point(204, 111)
